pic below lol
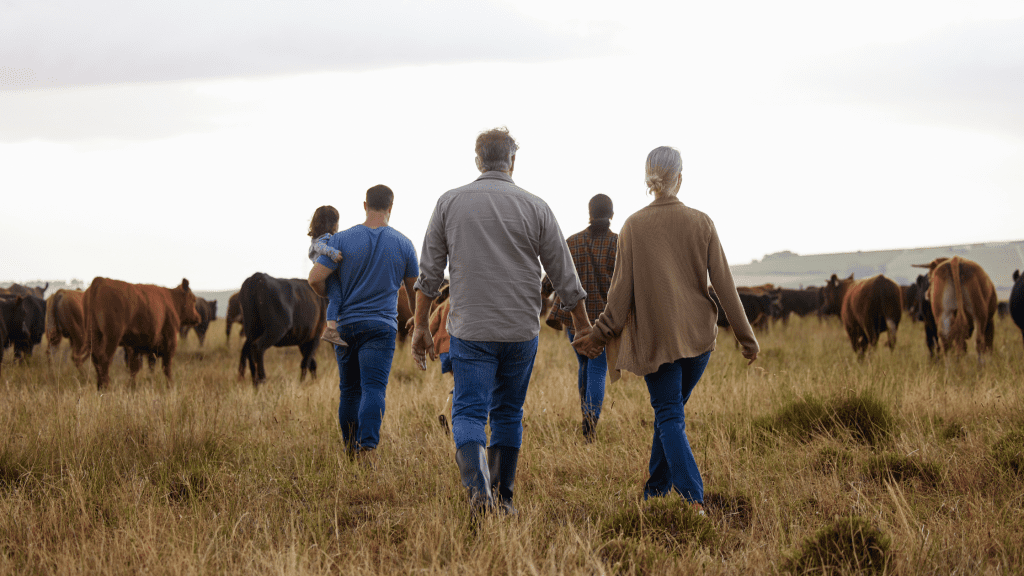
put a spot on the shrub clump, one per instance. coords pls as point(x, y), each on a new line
point(901, 468)
point(847, 545)
point(863, 416)
point(732, 510)
point(1008, 452)
point(831, 460)
point(669, 521)
point(631, 556)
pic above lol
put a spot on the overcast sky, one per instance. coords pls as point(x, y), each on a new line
point(150, 141)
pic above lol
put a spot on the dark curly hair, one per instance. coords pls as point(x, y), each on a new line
point(324, 220)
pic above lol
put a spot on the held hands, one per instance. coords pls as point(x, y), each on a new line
point(584, 344)
point(422, 346)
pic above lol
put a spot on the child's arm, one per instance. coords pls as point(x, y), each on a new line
point(320, 247)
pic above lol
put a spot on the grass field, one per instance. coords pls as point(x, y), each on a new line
point(893, 465)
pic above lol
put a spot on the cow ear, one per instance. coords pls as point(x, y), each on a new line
point(1016, 275)
point(184, 284)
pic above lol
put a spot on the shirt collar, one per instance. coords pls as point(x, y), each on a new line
point(496, 175)
point(666, 201)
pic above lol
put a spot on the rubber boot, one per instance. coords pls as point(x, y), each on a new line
point(472, 462)
point(502, 461)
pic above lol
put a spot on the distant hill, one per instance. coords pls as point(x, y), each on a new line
point(791, 270)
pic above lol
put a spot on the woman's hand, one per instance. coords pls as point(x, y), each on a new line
point(585, 345)
point(748, 353)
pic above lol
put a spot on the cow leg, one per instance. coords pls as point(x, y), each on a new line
point(891, 327)
point(243, 359)
point(52, 343)
point(133, 359)
point(165, 362)
point(308, 350)
point(103, 349)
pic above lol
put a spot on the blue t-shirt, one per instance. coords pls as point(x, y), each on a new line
point(375, 262)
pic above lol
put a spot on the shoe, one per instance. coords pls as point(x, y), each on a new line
point(589, 426)
point(502, 461)
point(331, 335)
point(367, 457)
point(472, 462)
point(698, 508)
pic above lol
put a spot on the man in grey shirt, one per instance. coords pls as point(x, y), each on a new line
point(494, 236)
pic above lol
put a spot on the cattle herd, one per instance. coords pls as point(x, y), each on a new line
point(955, 299)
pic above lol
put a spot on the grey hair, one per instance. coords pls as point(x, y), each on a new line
point(664, 164)
point(495, 150)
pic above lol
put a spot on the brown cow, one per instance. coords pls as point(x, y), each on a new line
point(143, 318)
point(19, 290)
point(234, 315)
point(66, 319)
point(963, 299)
point(867, 308)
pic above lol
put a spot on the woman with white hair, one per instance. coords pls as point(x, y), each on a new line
point(660, 321)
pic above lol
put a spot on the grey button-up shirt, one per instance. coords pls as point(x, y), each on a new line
point(494, 236)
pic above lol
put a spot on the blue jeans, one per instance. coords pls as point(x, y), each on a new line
point(590, 380)
point(363, 368)
point(490, 382)
point(672, 464)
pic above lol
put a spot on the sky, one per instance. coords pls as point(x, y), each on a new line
point(151, 141)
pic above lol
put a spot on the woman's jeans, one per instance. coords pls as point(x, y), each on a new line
point(590, 380)
point(672, 463)
point(490, 381)
point(363, 368)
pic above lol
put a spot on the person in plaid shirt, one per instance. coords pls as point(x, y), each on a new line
point(593, 253)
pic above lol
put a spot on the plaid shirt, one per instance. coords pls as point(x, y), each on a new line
point(594, 257)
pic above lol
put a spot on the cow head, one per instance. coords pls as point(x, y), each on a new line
point(189, 315)
point(832, 294)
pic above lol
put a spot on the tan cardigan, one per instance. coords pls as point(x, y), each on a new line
point(659, 309)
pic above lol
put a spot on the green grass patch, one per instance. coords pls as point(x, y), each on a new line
point(1008, 452)
point(901, 468)
point(847, 545)
point(865, 418)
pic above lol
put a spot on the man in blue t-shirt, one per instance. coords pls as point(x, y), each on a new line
point(376, 260)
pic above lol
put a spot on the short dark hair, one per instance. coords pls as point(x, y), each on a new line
point(495, 150)
point(324, 220)
point(379, 197)
point(600, 206)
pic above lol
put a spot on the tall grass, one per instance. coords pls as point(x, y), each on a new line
point(208, 475)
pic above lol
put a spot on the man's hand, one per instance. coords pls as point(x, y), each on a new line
point(422, 346)
point(587, 346)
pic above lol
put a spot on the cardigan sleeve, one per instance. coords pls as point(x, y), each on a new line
point(725, 288)
point(620, 292)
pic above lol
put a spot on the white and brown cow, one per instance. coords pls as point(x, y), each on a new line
point(963, 300)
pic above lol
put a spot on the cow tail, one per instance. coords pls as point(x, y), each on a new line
point(51, 320)
point(959, 328)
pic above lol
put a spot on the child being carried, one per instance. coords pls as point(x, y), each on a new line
point(323, 225)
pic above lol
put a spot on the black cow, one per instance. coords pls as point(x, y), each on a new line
point(1017, 301)
point(279, 312)
point(799, 302)
point(758, 308)
point(24, 320)
point(207, 310)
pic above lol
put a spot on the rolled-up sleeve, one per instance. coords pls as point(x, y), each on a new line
point(434, 255)
point(557, 262)
point(620, 294)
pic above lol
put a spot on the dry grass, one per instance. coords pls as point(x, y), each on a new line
point(208, 476)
